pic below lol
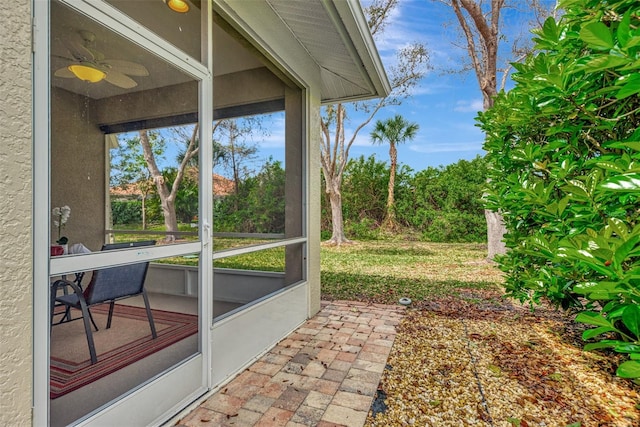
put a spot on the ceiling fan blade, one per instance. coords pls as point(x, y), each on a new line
point(64, 72)
point(126, 67)
point(78, 51)
point(66, 58)
point(118, 79)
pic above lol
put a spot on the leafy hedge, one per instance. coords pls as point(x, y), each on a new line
point(259, 206)
point(441, 204)
point(126, 211)
point(564, 149)
point(445, 204)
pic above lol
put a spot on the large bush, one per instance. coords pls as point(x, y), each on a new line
point(126, 211)
point(440, 204)
point(445, 204)
point(564, 149)
point(259, 205)
point(364, 190)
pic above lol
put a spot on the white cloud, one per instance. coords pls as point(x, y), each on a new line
point(469, 106)
point(362, 140)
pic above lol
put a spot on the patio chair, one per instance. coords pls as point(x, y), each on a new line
point(107, 285)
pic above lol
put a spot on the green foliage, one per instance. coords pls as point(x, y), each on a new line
point(365, 229)
point(564, 150)
point(259, 205)
point(186, 203)
point(441, 204)
point(445, 204)
point(394, 131)
point(126, 211)
point(364, 191)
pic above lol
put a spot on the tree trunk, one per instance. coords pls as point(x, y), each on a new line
point(170, 218)
point(495, 225)
point(337, 236)
point(389, 222)
point(495, 234)
point(333, 161)
point(167, 199)
point(484, 61)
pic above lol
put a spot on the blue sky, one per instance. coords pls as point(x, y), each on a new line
point(445, 104)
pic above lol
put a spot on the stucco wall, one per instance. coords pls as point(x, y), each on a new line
point(314, 196)
point(77, 168)
point(15, 214)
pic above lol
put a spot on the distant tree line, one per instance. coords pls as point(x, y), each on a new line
point(436, 204)
point(256, 206)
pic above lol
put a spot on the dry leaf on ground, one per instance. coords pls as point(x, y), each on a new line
point(478, 360)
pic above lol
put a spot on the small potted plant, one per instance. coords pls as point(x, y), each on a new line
point(60, 218)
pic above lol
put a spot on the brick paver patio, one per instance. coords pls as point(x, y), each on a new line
point(326, 373)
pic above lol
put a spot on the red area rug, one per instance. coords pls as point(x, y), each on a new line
point(127, 341)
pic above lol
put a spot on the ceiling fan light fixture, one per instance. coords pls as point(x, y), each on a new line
point(180, 6)
point(87, 73)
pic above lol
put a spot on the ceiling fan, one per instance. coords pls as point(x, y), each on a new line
point(90, 65)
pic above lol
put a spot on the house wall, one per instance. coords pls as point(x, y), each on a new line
point(314, 194)
point(15, 215)
point(77, 168)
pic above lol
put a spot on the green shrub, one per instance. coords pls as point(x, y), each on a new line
point(445, 204)
point(365, 229)
point(259, 206)
point(364, 191)
point(442, 204)
point(126, 211)
point(564, 150)
point(456, 227)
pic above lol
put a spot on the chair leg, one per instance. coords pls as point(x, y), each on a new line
point(67, 310)
point(93, 322)
point(52, 298)
point(87, 329)
point(111, 305)
point(149, 315)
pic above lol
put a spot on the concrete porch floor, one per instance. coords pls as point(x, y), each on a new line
point(325, 373)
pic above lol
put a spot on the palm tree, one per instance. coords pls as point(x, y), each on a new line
point(394, 131)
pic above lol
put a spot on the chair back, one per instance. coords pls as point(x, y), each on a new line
point(118, 282)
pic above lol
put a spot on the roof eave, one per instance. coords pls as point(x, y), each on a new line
point(355, 24)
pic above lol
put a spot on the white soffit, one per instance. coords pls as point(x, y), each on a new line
point(336, 36)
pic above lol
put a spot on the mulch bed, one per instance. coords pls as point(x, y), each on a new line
point(476, 359)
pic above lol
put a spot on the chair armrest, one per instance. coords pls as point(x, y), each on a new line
point(64, 283)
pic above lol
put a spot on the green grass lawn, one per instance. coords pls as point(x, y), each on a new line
point(384, 271)
point(373, 271)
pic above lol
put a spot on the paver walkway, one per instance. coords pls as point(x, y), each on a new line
point(326, 373)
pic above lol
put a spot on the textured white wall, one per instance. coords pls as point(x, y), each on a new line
point(15, 214)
